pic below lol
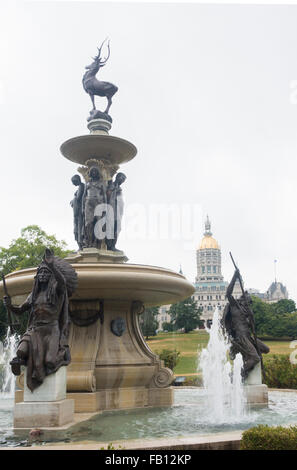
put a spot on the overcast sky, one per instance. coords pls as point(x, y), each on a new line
point(207, 93)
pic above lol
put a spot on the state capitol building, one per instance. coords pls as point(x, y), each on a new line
point(210, 285)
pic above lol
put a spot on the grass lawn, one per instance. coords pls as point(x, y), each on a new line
point(189, 344)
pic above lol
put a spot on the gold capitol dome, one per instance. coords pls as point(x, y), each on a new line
point(208, 241)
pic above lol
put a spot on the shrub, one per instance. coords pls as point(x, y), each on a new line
point(280, 372)
point(193, 381)
point(170, 357)
point(264, 437)
point(110, 446)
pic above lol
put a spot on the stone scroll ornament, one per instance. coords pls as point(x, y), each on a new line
point(44, 348)
point(95, 87)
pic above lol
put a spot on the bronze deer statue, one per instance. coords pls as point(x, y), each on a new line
point(95, 87)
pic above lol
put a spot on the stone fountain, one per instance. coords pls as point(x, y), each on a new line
point(111, 365)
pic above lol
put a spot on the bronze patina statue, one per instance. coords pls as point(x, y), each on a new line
point(77, 206)
point(43, 348)
point(98, 210)
point(238, 323)
point(95, 87)
point(94, 195)
point(116, 206)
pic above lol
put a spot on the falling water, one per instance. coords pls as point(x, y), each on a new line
point(222, 382)
point(7, 352)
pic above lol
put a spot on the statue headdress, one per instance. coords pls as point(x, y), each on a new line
point(67, 272)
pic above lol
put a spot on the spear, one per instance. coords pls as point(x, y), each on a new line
point(9, 316)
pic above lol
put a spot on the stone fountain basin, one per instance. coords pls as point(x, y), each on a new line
point(150, 285)
point(111, 370)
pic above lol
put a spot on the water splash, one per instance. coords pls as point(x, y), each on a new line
point(7, 352)
point(223, 384)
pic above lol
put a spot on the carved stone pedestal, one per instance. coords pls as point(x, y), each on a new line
point(256, 392)
point(93, 255)
point(43, 414)
point(47, 405)
point(53, 387)
point(112, 367)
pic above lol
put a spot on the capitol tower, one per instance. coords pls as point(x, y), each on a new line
point(210, 285)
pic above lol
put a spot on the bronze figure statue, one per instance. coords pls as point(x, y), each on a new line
point(43, 348)
point(95, 87)
point(238, 323)
point(76, 205)
point(98, 210)
point(94, 195)
point(116, 206)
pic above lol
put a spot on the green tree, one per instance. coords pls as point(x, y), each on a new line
point(262, 315)
point(148, 322)
point(168, 326)
point(170, 357)
point(284, 306)
point(26, 252)
point(185, 315)
point(275, 320)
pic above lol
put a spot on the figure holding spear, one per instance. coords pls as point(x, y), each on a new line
point(238, 322)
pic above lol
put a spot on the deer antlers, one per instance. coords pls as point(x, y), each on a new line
point(98, 58)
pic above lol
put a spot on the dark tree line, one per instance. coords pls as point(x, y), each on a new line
point(277, 320)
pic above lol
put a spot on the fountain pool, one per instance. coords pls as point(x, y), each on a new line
point(189, 416)
point(219, 407)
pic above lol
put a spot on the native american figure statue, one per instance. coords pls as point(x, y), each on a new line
point(238, 324)
point(43, 348)
point(95, 87)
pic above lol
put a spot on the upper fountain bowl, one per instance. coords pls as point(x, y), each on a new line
point(98, 146)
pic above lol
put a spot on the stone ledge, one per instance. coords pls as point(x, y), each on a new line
point(120, 399)
point(219, 441)
point(43, 414)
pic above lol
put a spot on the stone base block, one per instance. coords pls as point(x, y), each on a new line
point(53, 388)
point(120, 399)
point(256, 394)
point(160, 396)
point(255, 376)
point(84, 402)
point(43, 414)
point(18, 396)
point(93, 255)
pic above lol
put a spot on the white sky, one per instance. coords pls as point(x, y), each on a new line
point(206, 93)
